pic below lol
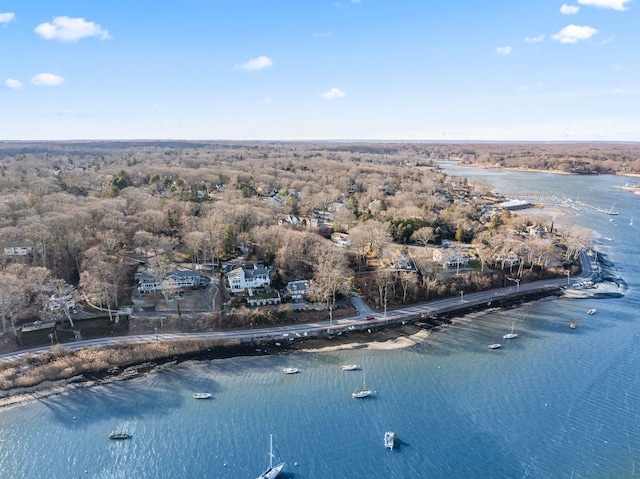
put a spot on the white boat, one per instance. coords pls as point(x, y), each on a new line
point(363, 392)
point(573, 325)
point(591, 311)
point(350, 367)
point(201, 395)
point(290, 370)
point(389, 440)
point(273, 471)
point(495, 346)
point(116, 435)
point(510, 335)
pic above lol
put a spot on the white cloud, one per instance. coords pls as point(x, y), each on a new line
point(620, 5)
point(66, 29)
point(537, 39)
point(7, 17)
point(13, 84)
point(256, 64)
point(333, 94)
point(574, 34)
point(504, 51)
point(47, 79)
point(569, 9)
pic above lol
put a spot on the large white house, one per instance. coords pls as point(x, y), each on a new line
point(451, 258)
point(241, 279)
point(148, 283)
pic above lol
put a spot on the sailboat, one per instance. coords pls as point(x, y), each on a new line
point(273, 471)
point(510, 335)
point(362, 392)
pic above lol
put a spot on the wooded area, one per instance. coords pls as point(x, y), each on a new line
point(84, 211)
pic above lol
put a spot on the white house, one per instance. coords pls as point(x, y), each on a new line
point(402, 262)
point(297, 289)
point(241, 279)
point(148, 283)
point(17, 250)
point(449, 258)
point(58, 302)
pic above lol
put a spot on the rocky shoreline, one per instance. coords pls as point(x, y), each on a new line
point(379, 337)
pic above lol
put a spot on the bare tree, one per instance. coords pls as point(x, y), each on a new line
point(423, 235)
point(331, 276)
point(409, 281)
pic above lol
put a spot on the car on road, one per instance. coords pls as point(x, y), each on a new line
point(370, 317)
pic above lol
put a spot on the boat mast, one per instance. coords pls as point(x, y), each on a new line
point(270, 451)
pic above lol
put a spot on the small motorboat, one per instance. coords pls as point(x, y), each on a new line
point(495, 346)
point(290, 370)
point(350, 367)
point(591, 311)
point(116, 435)
point(573, 325)
point(389, 440)
point(201, 395)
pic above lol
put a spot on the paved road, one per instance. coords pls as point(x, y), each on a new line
point(282, 334)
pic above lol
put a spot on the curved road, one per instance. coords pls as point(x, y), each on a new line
point(293, 332)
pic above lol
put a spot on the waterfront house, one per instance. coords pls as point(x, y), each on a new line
point(451, 258)
point(402, 262)
point(296, 290)
point(148, 282)
point(241, 279)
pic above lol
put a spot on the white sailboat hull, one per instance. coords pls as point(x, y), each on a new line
point(361, 394)
point(272, 472)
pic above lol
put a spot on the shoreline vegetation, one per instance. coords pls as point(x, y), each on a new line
point(62, 371)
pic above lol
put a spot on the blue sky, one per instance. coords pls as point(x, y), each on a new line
point(315, 69)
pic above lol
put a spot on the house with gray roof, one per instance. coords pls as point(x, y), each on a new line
point(241, 279)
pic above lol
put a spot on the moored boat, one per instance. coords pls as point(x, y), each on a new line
point(201, 395)
point(273, 471)
point(350, 367)
point(591, 311)
point(510, 335)
point(362, 392)
point(290, 370)
point(389, 440)
point(495, 346)
point(119, 435)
